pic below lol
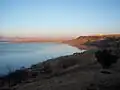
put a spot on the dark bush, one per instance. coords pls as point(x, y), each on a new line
point(105, 58)
point(16, 77)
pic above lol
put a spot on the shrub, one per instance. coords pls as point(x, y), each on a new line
point(16, 77)
point(105, 58)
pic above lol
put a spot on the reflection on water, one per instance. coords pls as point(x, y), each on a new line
point(16, 55)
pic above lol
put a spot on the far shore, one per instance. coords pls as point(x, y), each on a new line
point(82, 47)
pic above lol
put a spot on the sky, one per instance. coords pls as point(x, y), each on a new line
point(53, 18)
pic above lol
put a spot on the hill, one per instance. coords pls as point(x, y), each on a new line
point(83, 42)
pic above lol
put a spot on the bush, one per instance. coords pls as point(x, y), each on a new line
point(105, 58)
point(16, 77)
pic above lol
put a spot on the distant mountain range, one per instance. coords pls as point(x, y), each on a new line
point(6, 39)
point(31, 39)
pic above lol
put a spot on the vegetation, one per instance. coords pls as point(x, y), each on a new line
point(15, 77)
point(105, 58)
point(109, 55)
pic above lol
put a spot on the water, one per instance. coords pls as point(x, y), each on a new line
point(15, 55)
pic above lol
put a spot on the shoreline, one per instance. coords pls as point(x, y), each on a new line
point(59, 66)
point(82, 47)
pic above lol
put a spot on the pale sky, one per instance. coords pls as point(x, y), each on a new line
point(59, 17)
